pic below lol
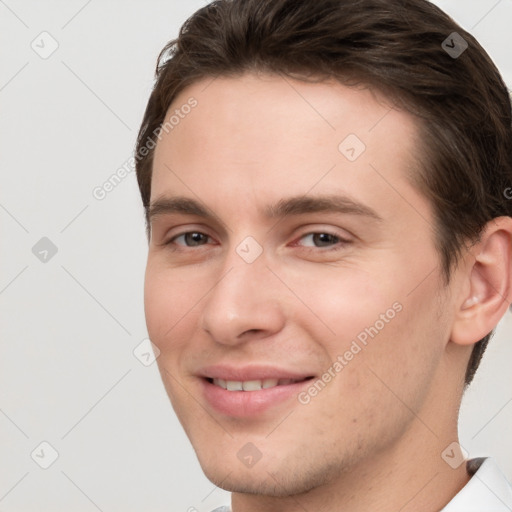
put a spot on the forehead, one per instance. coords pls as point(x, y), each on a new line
point(266, 136)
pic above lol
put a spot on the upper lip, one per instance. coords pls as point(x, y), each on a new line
point(253, 372)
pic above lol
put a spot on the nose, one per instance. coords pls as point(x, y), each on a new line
point(246, 303)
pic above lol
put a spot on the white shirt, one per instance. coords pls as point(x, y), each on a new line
point(487, 491)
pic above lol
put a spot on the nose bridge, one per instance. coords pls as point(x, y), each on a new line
point(244, 298)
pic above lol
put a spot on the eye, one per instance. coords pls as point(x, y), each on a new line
point(191, 239)
point(321, 239)
point(313, 240)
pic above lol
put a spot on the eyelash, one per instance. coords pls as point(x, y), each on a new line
point(338, 246)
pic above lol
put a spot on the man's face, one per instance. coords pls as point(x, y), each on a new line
point(345, 301)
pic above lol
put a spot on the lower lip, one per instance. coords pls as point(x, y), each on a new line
point(249, 403)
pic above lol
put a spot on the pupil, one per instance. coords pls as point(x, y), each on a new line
point(194, 238)
point(327, 238)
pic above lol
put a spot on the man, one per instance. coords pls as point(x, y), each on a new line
point(330, 249)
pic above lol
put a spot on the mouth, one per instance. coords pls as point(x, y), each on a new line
point(253, 385)
point(251, 396)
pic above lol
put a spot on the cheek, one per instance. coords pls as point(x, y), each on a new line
point(169, 303)
point(381, 335)
point(343, 304)
point(401, 359)
point(169, 309)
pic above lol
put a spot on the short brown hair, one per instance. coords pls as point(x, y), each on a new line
point(394, 46)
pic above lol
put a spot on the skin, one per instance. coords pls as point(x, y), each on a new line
point(372, 439)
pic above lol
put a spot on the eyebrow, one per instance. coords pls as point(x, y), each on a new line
point(297, 205)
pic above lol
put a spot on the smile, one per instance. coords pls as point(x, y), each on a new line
point(253, 385)
point(252, 396)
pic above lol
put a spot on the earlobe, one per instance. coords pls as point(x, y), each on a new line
point(487, 293)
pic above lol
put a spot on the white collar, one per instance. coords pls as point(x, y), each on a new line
point(487, 491)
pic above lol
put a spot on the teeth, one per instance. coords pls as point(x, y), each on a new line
point(220, 382)
point(252, 385)
point(269, 383)
point(233, 385)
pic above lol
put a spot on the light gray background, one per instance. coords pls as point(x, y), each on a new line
point(68, 375)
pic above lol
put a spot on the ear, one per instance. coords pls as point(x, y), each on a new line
point(487, 288)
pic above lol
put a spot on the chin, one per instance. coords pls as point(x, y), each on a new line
point(257, 484)
point(277, 480)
